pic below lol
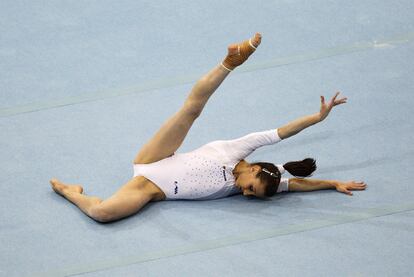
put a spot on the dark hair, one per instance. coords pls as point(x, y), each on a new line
point(302, 168)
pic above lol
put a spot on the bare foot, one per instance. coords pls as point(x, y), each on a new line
point(61, 188)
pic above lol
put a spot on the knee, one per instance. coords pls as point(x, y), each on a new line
point(99, 214)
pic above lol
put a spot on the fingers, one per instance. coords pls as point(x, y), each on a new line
point(357, 185)
point(352, 185)
point(347, 192)
point(333, 101)
point(340, 101)
point(334, 98)
point(362, 187)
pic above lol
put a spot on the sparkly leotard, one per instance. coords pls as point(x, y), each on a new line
point(206, 173)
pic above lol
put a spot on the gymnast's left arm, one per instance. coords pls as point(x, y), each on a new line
point(294, 127)
point(306, 184)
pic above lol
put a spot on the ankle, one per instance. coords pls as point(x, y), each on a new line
point(226, 67)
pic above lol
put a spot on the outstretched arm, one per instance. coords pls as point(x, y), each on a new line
point(299, 184)
point(298, 125)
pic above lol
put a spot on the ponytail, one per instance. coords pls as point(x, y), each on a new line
point(302, 168)
point(270, 175)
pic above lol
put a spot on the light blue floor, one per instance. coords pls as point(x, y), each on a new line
point(84, 85)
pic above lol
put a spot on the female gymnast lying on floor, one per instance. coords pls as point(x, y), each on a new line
point(214, 170)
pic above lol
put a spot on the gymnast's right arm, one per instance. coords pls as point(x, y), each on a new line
point(298, 125)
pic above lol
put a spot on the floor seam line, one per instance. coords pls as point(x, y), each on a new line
point(227, 241)
point(163, 83)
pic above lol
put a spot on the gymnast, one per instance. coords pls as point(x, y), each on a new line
point(216, 169)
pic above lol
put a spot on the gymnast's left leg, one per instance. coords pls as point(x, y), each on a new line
point(171, 135)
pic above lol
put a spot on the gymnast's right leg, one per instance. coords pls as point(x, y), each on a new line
point(128, 200)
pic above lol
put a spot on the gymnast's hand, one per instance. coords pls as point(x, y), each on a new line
point(327, 107)
point(345, 187)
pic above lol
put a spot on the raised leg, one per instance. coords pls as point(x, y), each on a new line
point(172, 133)
point(128, 200)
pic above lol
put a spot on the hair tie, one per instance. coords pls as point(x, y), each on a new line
point(281, 168)
point(271, 173)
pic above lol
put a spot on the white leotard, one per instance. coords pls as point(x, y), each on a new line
point(206, 173)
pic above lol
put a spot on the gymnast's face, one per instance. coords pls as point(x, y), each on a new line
point(249, 184)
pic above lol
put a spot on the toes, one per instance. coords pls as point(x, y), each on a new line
point(54, 181)
point(257, 39)
point(56, 185)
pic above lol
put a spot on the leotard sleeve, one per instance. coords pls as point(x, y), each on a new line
point(240, 148)
point(284, 185)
